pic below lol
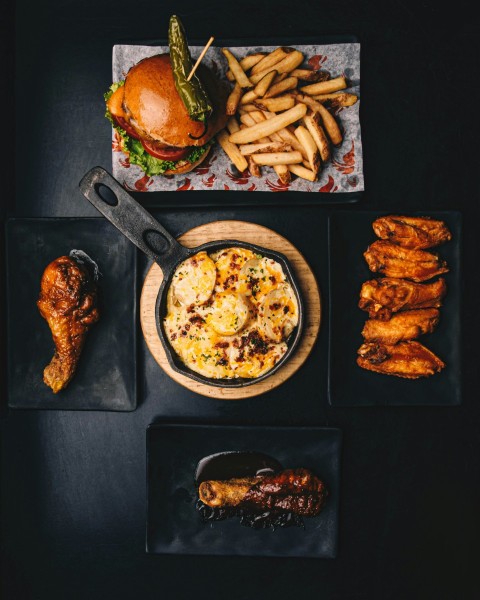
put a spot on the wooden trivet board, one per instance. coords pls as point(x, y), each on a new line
point(255, 234)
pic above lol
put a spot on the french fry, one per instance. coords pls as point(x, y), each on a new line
point(326, 87)
point(269, 126)
point(290, 62)
point(280, 77)
point(307, 141)
point(232, 151)
point(330, 125)
point(233, 100)
point(237, 70)
point(288, 137)
point(283, 173)
point(302, 172)
point(289, 83)
point(258, 117)
point(248, 97)
point(247, 119)
point(313, 124)
point(267, 147)
point(232, 125)
point(254, 169)
point(270, 60)
point(249, 107)
point(309, 75)
point(277, 158)
point(305, 99)
point(275, 104)
point(262, 86)
point(247, 63)
point(337, 99)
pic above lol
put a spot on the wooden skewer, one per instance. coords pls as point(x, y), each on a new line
point(199, 59)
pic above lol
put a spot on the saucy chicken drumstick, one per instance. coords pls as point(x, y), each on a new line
point(382, 297)
point(409, 360)
point(68, 302)
point(412, 232)
point(394, 261)
point(293, 490)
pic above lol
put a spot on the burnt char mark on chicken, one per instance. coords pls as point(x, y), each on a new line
point(293, 490)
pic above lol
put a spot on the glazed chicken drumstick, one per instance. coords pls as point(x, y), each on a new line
point(68, 302)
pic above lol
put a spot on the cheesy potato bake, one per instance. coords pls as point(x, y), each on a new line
point(230, 313)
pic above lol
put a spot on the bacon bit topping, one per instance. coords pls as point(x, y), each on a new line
point(286, 309)
point(275, 306)
point(197, 320)
point(273, 279)
point(229, 281)
point(222, 345)
point(173, 336)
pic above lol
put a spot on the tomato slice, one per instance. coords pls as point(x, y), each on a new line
point(124, 125)
point(165, 153)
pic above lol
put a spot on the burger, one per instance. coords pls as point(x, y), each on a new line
point(153, 123)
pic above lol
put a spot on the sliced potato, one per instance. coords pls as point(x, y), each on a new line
point(228, 313)
point(194, 280)
point(279, 313)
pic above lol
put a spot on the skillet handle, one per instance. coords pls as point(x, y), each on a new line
point(131, 219)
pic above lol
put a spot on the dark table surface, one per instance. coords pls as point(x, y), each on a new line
point(73, 483)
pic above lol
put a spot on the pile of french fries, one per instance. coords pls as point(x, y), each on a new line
point(278, 115)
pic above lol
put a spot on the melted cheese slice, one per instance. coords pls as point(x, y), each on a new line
point(229, 313)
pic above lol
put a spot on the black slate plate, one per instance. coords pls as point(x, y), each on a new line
point(349, 385)
point(106, 374)
point(175, 527)
point(218, 198)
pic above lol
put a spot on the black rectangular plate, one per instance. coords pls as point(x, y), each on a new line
point(349, 385)
point(106, 377)
point(175, 527)
point(227, 199)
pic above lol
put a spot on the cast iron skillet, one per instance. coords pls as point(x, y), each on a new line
point(129, 217)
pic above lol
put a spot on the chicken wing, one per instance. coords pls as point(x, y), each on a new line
point(407, 325)
point(410, 360)
point(68, 302)
point(393, 261)
point(382, 297)
point(412, 232)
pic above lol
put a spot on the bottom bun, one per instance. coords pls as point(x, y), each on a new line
point(188, 166)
